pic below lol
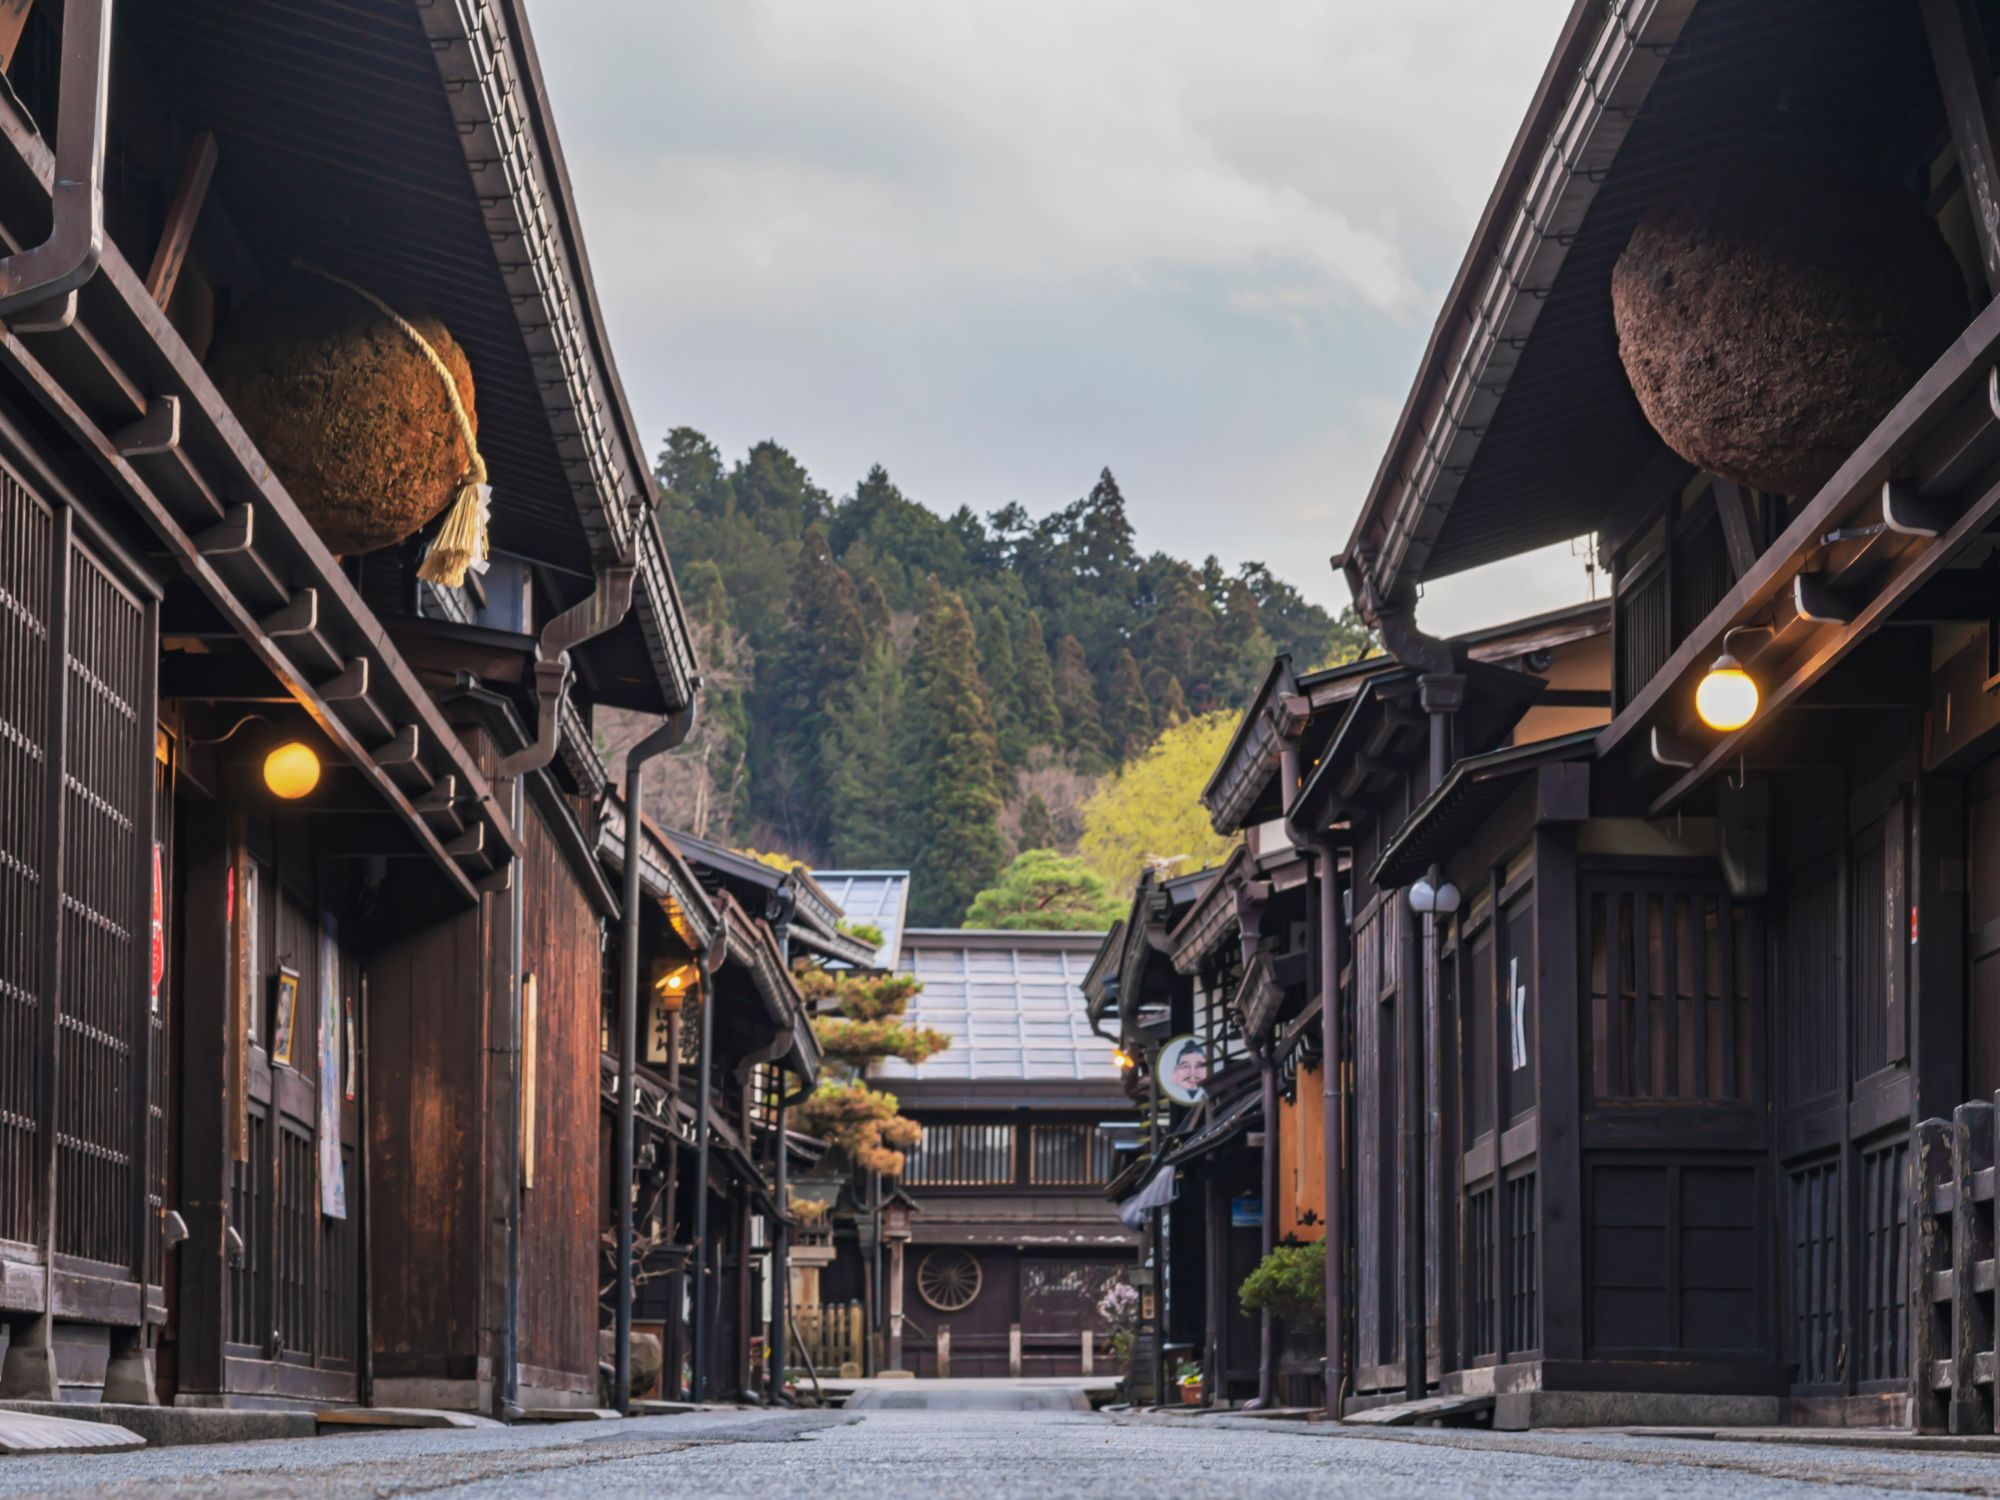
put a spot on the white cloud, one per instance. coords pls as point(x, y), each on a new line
point(996, 246)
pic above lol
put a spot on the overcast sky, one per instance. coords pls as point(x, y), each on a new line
point(997, 246)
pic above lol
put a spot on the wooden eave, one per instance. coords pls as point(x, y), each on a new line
point(755, 949)
point(1605, 63)
point(122, 384)
point(839, 947)
point(663, 875)
point(1212, 918)
point(492, 79)
point(1934, 463)
point(1256, 998)
point(1471, 792)
point(1252, 753)
point(1145, 935)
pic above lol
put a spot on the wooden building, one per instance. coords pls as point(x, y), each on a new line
point(1229, 958)
point(1011, 1245)
point(359, 1042)
point(1710, 977)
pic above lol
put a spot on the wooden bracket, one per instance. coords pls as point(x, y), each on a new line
point(472, 841)
point(1908, 514)
point(499, 882)
point(49, 317)
point(401, 751)
point(349, 683)
point(233, 533)
point(299, 616)
point(159, 431)
point(439, 797)
point(1818, 601)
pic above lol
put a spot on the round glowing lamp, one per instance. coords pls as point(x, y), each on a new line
point(291, 770)
point(1123, 1058)
point(1727, 697)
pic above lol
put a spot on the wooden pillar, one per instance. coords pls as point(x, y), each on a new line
point(1937, 969)
point(895, 1300)
point(1559, 1084)
point(1930, 1258)
point(1014, 1350)
point(1972, 1406)
point(944, 1351)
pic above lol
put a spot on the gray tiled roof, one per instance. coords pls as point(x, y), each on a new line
point(874, 897)
point(1009, 1001)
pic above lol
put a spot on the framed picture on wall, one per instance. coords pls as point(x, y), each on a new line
point(285, 1014)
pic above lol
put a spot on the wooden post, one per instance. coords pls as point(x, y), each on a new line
point(1971, 1252)
point(944, 1351)
point(1014, 1350)
point(895, 1300)
point(1561, 1061)
point(1930, 1258)
point(1089, 1351)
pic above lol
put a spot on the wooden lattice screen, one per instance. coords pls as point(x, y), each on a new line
point(77, 663)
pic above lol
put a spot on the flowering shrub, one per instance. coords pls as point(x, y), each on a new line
point(1119, 1308)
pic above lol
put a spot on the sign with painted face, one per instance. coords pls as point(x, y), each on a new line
point(1181, 1070)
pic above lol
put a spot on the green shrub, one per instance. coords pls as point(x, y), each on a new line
point(1291, 1282)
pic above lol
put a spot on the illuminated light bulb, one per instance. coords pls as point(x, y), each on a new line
point(1122, 1058)
point(291, 770)
point(1727, 698)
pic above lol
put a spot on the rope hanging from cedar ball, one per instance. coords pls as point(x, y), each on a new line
point(1771, 311)
point(348, 402)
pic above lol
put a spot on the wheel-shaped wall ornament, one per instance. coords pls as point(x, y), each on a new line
point(948, 1279)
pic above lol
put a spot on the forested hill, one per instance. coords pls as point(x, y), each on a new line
point(886, 686)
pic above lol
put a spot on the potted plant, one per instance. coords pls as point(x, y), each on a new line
point(1189, 1380)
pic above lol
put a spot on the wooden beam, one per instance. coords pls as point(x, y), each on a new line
point(1733, 510)
point(183, 214)
point(1958, 53)
point(1833, 643)
point(159, 431)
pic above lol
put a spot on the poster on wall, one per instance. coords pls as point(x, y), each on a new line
point(332, 1176)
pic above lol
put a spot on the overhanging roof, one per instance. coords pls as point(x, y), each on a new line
point(879, 898)
point(412, 147)
point(1520, 426)
point(1469, 794)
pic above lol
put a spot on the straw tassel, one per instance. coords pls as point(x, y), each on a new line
point(464, 542)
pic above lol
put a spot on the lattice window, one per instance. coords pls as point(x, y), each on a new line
point(247, 1268)
point(1813, 1237)
point(1885, 1263)
point(1672, 982)
point(27, 569)
point(1524, 1324)
point(297, 1226)
point(1069, 1156)
point(960, 1155)
point(1480, 1312)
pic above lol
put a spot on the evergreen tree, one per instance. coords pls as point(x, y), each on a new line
point(997, 671)
point(1076, 698)
point(1035, 683)
point(867, 785)
point(1244, 644)
point(1128, 717)
point(1042, 891)
point(818, 657)
point(1171, 707)
point(956, 795)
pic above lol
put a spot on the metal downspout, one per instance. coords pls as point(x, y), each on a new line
point(1333, 1083)
point(706, 966)
point(671, 733)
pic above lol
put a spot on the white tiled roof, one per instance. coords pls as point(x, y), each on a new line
point(1009, 1001)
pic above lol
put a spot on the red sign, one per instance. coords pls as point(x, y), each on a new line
point(159, 931)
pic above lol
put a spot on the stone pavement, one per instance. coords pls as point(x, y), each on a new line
point(994, 1454)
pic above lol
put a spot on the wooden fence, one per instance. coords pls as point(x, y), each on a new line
point(831, 1334)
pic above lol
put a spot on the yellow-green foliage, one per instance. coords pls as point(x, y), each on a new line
point(1150, 810)
point(862, 1042)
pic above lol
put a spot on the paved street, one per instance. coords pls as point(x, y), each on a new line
point(888, 1454)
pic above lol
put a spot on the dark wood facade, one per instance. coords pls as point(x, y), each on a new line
point(1709, 996)
point(258, 1071)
